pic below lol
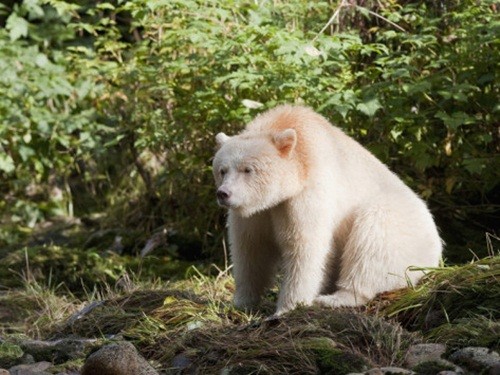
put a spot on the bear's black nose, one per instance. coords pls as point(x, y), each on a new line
point(223, 194)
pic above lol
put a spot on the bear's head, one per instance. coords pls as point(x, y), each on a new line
point(255, 171)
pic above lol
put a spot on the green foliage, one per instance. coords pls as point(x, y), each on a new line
point(113, 107)
point(47, 119)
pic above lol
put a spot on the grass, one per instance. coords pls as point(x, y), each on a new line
point(449, 293)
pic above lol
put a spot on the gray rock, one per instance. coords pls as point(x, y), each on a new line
point(37, 368)
point(59, 351)
point(482, 360)
point(423, 353)
point(117, 359)
point(181, 361)
point(389, 371)
point(26, 359)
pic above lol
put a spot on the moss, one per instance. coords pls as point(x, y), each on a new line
point(332, 360)
point(72, 366)
point(9, 354)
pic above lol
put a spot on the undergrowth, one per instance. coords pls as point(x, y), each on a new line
point(190, 323)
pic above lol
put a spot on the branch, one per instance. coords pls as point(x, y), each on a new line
point(381, 17)
point(345, 4)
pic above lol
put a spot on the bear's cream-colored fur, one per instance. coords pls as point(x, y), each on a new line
point(305, 198)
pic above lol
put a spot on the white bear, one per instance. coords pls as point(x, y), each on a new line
point(306, 198)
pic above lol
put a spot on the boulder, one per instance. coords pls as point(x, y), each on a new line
point(477, 359)
point(120, 358)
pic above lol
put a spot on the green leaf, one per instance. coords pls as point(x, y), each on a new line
point(34, 9)
point(26, 152)
point(17, 26)
point(105, 6)
point(474, 165)
point(41, 60)
point(456, 119)
point(369, 107)
point(6, 163)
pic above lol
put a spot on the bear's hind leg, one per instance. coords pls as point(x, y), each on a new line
point(368, 260)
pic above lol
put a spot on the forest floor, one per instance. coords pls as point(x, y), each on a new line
point(59, 302)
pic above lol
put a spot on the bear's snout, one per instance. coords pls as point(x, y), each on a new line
point(223, 195)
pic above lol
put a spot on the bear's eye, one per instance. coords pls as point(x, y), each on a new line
point(247, 170)
point(223, 172)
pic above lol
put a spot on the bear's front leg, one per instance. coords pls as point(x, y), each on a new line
point(254, 255)
point(303, 269)
point(305, 243)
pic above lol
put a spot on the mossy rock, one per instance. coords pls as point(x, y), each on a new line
point(433, 367)
point(9, 354)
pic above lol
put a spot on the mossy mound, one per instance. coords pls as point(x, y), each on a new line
point(201, 331)
point(456, 305)
point(307, 341)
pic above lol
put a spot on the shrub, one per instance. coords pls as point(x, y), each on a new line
point(162, 78)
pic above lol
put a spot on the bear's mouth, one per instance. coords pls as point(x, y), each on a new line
point(224, 202)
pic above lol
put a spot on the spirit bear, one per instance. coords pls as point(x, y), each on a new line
point(306, 198)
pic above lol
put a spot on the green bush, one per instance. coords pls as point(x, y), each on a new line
point(47, 119)
point(142, 87)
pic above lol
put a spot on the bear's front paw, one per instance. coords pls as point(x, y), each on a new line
point(245, 302)
point(327, 301)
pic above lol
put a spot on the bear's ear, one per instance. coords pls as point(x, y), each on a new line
point(221, 138)
point(285, 141)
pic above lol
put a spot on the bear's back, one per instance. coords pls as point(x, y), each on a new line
point(322, 146)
